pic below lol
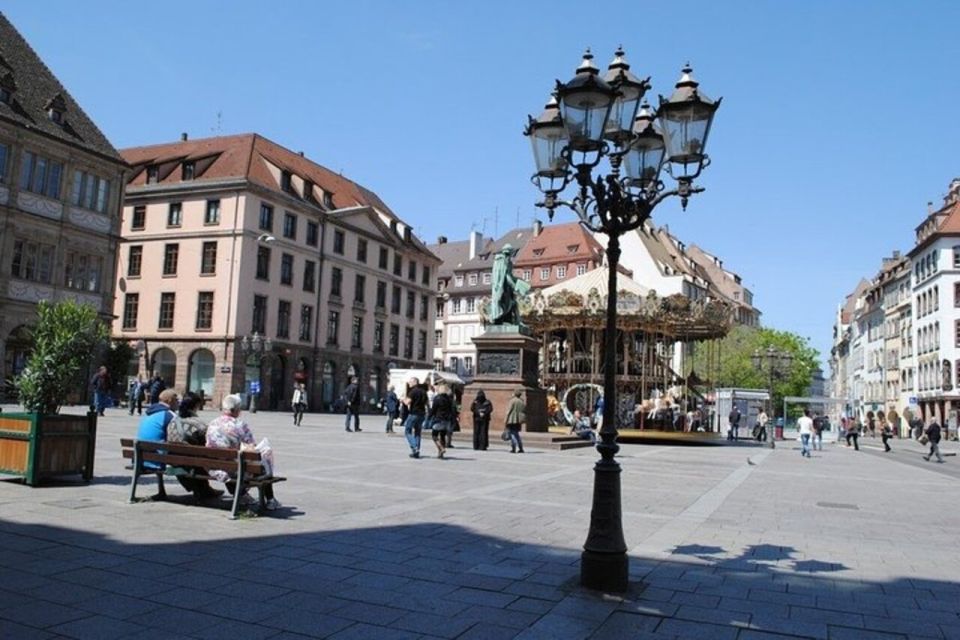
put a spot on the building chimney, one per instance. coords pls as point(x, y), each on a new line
point(929, 207)
point(537, 228)
point(300, 153)
point(442, 240)
point(896, 254)
point(476, 238)
point(184, 137)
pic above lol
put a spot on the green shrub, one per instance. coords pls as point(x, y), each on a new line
point(65, 338)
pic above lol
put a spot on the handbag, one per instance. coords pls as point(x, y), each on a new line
point(923, 439)
point(505, 435)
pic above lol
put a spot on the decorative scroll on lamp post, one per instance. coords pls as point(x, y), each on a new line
point(588, 120)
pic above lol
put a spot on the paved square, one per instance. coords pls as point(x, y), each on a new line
point(372, 544)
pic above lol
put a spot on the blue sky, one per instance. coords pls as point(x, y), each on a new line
point(837, 127)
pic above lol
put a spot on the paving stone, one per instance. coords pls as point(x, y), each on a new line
point(627, 625)
point(480, 596)
point(846, 633)
point(714, 616)
point(96, 628)
point(361, 631)
point(551, 627)
point(788, 626)
point(10, 629)
point(503, 617)
point(434, 625)
point(696, 630)
point(486, 631)
point(42, 614)
point(372, 613)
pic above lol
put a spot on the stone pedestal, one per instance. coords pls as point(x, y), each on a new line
point(507, 360)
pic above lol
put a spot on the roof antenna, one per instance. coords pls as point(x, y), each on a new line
point(218, 129)
point(496, 220)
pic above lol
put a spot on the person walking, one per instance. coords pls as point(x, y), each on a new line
point(853, 432)
point(135, 396)
point(100, 386)
point(933, 437)
point(156, 388)
point(805, 425)
point(392, 405)
point(416, 402)
point(441, 418)
point(351, 398)
point(762, 420)
point(817, 435)
point(299, 403)
point(516, 416)
point(733, 421)
point(886, 433)
point(482, 409)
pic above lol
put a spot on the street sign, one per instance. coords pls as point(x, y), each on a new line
point(254, 386)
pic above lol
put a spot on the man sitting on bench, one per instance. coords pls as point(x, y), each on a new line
point(228, 431)
point(187, 428)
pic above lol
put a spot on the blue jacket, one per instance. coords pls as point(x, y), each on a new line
point(153, 426)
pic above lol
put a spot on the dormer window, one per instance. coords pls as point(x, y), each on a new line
point(573, 248)
point(328, 202)
point(285, 180)
point(189, 169)
point(7, 87)
point(56, 107)
point(307, 190)
point(538, 252)
point(153, 174)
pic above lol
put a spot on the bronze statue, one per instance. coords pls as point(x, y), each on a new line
point(507, 289)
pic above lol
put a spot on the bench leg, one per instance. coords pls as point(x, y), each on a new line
point(161, 489)
point(133, 484)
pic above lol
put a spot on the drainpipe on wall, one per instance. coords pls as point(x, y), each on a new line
point(233, 254)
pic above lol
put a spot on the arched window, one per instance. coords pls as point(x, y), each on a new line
point(164, 364)
point(201, 372)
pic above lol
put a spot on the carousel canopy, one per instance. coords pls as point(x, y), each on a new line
point(582, 302)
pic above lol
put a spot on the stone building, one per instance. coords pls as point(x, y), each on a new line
point(60, 187)
point(243, 262)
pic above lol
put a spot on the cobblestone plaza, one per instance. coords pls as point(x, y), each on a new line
point(372, 544)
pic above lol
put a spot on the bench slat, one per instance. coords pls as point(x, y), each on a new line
point(255, 468)
point(192, 450)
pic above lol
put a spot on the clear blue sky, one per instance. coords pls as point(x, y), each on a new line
point(838, 122)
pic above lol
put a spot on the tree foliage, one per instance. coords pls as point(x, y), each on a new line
point(116, 359)
point(729, 363)
point(65, 338)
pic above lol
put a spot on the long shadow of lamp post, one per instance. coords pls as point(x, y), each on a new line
point(589, 119)
point(777, 365)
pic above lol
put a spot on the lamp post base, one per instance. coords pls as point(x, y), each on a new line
point(605, 572)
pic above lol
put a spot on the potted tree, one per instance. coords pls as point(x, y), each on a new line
point(40, 443)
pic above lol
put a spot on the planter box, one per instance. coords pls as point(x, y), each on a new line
point(39, 447)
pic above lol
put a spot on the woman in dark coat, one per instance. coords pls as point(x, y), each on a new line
point(481, 410)
point(441, 416)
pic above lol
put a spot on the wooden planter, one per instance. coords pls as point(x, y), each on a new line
point(39, 447)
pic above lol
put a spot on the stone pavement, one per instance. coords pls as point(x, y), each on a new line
point(485, 545)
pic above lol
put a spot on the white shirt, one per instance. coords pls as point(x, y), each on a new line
point(806, 425)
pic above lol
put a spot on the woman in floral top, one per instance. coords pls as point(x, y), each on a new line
point(228, 431)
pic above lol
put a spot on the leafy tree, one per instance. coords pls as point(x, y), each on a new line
point(66, 336)
point(736, 369)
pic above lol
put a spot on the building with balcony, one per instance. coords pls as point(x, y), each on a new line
point(236, 236)
point(60, 189)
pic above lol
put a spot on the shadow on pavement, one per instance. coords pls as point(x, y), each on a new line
point(435, 579)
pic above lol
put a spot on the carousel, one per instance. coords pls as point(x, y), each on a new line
point(655, 337)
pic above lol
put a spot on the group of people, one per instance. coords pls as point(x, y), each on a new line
point(173, 418)
point(436, 407)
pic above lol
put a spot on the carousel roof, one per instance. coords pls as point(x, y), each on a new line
point(597, 279)
point(582, 302)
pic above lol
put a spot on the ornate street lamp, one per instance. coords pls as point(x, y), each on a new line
point(777, 364)
point(253, 347)
point(590, 119)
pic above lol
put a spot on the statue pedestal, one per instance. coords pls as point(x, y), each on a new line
point(507, 359)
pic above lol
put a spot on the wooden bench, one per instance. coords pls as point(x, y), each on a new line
point(190, 461)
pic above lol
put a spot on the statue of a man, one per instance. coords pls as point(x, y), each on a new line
point(506, 289)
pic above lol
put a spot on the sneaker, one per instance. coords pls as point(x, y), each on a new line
point(415, 454)
point(273, 504)
point(440, 455)
point(247, 500)
point(927, 458)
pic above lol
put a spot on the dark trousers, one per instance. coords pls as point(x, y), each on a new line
point(197, 486)
point(516, 444)
point(886, 445)
point(355, 412)
point(481, 435)
point(856, 437)
point(390, 418)
point(267, 489)
point(298, 412)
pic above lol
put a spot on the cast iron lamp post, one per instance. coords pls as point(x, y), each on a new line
point(255, 345)
point(589, 119)
point(776, 363)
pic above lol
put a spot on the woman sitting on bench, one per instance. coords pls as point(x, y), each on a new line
point(228, 431)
